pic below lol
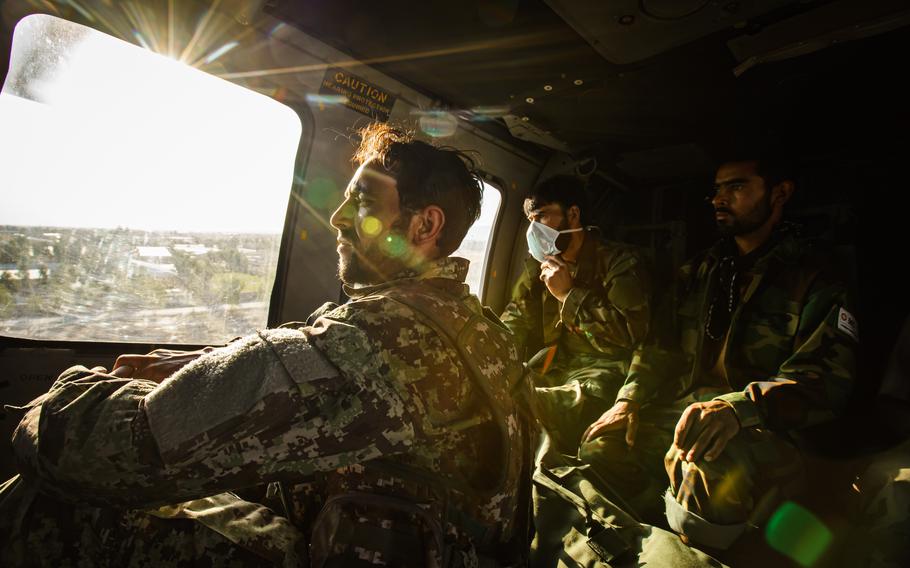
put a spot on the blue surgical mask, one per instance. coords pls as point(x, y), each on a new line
point(542, 240)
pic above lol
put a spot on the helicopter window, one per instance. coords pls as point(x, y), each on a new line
point(476, 244)
point(143, 199)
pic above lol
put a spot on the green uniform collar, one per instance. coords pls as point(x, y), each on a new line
point(451, 268)
point(784, 245)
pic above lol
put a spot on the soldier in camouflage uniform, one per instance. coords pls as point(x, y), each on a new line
point(762, 343)
point(577, 313)
point(388, 420)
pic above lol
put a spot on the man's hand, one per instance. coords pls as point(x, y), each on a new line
point(624, 414)
point(556, 275)
point(704, 429)
point(155, 366)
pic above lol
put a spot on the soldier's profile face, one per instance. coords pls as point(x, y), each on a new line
point(370, 245)
point(742, 202)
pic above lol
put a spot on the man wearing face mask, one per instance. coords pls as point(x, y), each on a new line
point(579, 308)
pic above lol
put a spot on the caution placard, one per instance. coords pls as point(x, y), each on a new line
point(359, 94)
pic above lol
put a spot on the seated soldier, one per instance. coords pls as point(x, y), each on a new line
point(581, 304)
point(763, 342)
point(390, 446)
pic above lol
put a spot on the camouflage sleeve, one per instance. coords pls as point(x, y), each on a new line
point(267, 407)
point(521, 315)
point(651, 367)
point(621, 315)
point(658, 359)
point(814, 383)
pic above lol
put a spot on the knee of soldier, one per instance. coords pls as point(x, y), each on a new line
point(77, 372)
point(708, 502)
point(561, 397)
point(607, 449)
point(719, 491)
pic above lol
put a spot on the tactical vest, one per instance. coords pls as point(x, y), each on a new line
point(415, 534)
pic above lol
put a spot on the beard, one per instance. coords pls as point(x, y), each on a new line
point(563, 240)
point(374, 262)
point(354, 269)
point(734, 226)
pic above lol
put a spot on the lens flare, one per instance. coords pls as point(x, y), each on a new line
point(371, 226)
point(394, 246)
point(438, 123)
point(321, 193)
point(141, 39)
point(326, 99)
point(796, 532)
point(220, 51)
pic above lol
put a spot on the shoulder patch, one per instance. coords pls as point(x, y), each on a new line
point(847, 324)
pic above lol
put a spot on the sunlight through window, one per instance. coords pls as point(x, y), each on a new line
point(476, 244)
point(143, 199)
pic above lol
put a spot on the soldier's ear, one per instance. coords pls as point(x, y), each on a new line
point(426, 225)
point(781, 193)
point(573, 216)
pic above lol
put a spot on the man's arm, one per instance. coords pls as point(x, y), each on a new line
point(814, 383)
point(620, 315)
point(660, 359)
point(523, 312)
point(266, 407)
point(652, 365)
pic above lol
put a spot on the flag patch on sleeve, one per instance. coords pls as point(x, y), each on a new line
point(847, 324)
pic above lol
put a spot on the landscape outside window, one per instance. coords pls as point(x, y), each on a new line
point(475, 245)
point(143, 199)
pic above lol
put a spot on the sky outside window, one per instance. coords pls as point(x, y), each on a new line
point(114, 135)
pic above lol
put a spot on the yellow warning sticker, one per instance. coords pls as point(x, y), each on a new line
point(358, 94)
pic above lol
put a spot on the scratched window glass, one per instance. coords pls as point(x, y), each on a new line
point(143, 199)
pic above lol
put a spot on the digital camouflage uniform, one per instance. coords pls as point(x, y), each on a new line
point(583, 347)
point(786, 361)
point(390, 451)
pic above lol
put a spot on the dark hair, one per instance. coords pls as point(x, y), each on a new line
point(564, 190)
point(772, 165)
point(426, 175)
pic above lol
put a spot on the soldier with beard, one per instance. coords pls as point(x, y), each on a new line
point(761, 343)
point(391, 442)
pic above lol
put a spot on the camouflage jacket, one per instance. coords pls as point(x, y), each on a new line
point(369, 413)
point(605, 316)
point(789, 353)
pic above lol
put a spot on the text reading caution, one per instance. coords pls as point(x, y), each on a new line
point(360, 95)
